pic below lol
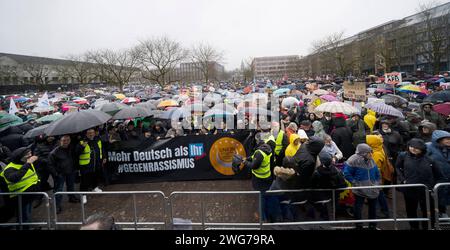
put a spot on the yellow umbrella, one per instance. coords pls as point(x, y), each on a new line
point(167, 103)
point(120, 96)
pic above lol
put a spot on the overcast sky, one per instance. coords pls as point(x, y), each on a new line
point(240, 28)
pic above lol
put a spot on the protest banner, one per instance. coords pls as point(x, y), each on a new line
point(184, 158)
point(355, 91)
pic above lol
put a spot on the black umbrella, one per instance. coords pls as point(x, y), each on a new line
point(394, 100)
point(155, 96)
point(165, 115)
point(146, 105)
point(132, 112)
point(110, 98)
point(111, 108)
point(36, 131)
point(438, 97)
point(76, 122)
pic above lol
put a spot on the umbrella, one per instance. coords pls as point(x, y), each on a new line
point(167, 103)
point(22, 99)
point(336, 107)
point(443, 109)
point(320, 92)
point(36, 131)
point(413, 89)
point(385, 109)
point(8, 120)
point(225, 108)
point(166, 115)
point(290, 102)
point(81, 101)
point(155, 96)
point(438, 97)
point(280, 92)
point(256, 111)
point(50, 118)
point(394, 100)
point(43, 109)
point(216, 113)
point(120, 96)
point(329, 98)
point(110, 98)
point(131, 112)
point(146, 105)
point(196, 107)
point(130, 100)
point(76, 122)
point(212, 98)
point(111, 108)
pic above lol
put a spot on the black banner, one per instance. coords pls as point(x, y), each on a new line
point(194, 157)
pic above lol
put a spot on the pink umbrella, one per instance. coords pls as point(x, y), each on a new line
point(443, 109)
point(81, 101)
point(131, 100)
point(328, 98)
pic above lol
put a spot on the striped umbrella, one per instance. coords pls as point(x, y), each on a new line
point(337, 107)
point(385, 109)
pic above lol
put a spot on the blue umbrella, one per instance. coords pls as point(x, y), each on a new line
point(279, 92)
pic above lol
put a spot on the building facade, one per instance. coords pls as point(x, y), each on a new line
point(276, 67)
point(420, 42)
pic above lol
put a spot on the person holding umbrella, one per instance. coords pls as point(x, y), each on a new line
point(427, 113)
point(91, 158)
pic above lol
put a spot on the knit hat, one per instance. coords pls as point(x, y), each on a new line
point(417, 143)
point(363, 149)
point(325, 158)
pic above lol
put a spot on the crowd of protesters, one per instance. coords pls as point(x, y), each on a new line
point(301, 150)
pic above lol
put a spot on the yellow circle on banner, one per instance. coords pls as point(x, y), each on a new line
point(222, 152)
point(317, 102)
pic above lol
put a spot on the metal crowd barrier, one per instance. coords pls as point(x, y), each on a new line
point(46, 223)
point(439, 221)
point(134, 223)
point(394, 218)
point(208, 225)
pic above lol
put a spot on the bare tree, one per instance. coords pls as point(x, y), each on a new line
point(39, 73)
point(203, 56)
point(159, 57)
point(79, 68)
point(115, 67)
point(434, 32)
point(248, 69)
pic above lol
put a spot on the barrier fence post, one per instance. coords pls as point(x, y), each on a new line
point(394, 206)
point(168, 213)
point(135, 211)
point(203, 211)
point(20, 211)
point(427, 200)
point(436, 206)
point(260, 210)
point(47, 204)
point(54, 211)
point(83, 215)
point(334, 204)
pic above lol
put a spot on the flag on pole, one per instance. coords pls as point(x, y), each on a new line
point(12, 107)
point(43, 101)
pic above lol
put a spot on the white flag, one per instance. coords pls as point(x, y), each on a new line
point(12, 107)
point(43, 101)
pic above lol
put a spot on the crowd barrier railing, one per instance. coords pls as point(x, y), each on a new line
point(439, 221)
point(20, 222)
point(133, 194)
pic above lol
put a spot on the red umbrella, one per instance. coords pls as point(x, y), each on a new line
point(443, 109)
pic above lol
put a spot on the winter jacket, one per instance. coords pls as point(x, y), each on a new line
point(292, 149)
point(412, 169)
point(343, 137)
point(305, 159)
point(326, 178)
point(370, 119)
point(379, 156)
point(42, 150)
point(258, 158)
point(393, 143)
point(318, 129)
point(440, 156)
point(359, 131)
point(362, 173)
point(327, 125)
point(15, 175)
point(95, 162)
point(13, 141)
point(433, 117)
point(5, 153)
point(61, 161)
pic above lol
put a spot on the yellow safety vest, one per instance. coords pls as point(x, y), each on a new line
point(271, 138)
point(29, 179)
point(85, 157)
point(279, 143)
point(263, 172)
